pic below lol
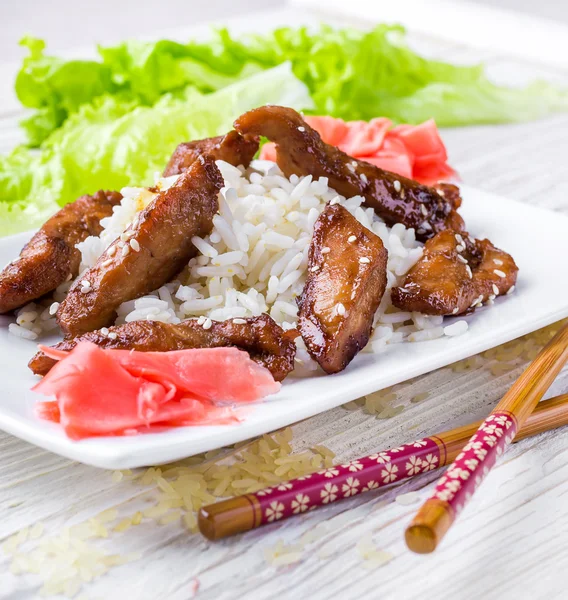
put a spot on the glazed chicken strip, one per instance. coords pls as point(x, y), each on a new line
point(346, 281)
point(233, 148)
point(155, 248)
point(266, 342)
point(50, 257)
point(301, 151)
point(455, 275)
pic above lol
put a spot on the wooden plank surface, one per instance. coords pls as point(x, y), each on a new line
point(511, 541)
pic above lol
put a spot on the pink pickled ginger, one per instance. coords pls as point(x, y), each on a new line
point(119, 392)
point(413, 151)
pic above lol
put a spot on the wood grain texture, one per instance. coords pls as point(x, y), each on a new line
point(510, 541)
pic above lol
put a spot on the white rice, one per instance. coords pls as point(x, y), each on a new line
point(255, 259)
point(457, 328)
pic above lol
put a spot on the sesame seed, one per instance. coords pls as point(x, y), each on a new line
point(208, 323)
point(86, 283)
point(425, 225)
point(326, 250)
point(126, 235)
point(471, 240)
point(477, 301)
point(420, 231)
point(85, 290)
point(402, 194)
point(511, 290)
point(455, 311)
point(495, 289)
point(239, 321)
point(352, 238)
point(354, 163)
point(135, 245)
point(334, 202)
point(441, 193)
point(499, 273)
point(201, 320)
point(459, 238)
point(351, 168)
point(104, 331)
point(53, 308)
point(340, 309)
point(125, 250)
point(469, 272)
point(497, 262)
point(106, 263)
point(462, 259)
point(423, 210)
point(315, 268)
point(68, 278)
point(460, 248)
point(364, 260)
point(111, 251)
point(113, 335)
point(397, 185)
point(363, 178)
point(301, 128)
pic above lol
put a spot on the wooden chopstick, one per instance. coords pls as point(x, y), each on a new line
point(243, 513)
point(491, 439)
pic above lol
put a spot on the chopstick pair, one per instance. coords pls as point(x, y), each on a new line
point(480, 454)
point(243, 513)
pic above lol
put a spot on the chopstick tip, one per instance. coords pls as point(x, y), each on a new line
point(228, 517)
point(206, 524)
point(429, 527)
point(420, 539)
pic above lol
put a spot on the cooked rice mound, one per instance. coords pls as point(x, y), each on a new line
point(254, 260)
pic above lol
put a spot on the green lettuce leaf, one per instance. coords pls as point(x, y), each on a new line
point(149, 70)
point(139, 71)
point(56, 88)
point(350, 74)
point(113, 142)
point(380, 76)
point(114, 121)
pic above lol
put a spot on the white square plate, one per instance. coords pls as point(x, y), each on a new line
point(535, 237)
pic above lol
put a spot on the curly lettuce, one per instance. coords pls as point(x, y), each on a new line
point(114, 120)
point(351, 74)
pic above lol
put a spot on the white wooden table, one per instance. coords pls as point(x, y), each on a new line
point(510, 542)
